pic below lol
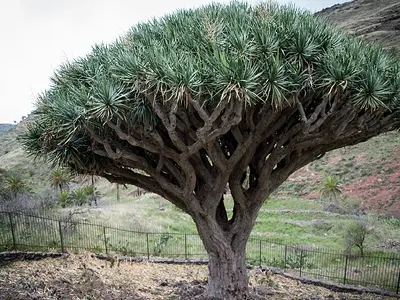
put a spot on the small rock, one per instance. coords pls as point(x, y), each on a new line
point(163, 283)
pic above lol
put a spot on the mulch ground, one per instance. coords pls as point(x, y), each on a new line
point(86, 277)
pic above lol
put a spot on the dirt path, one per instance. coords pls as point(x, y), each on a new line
point(84, 277)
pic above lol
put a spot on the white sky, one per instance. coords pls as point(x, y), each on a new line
point(38, 35)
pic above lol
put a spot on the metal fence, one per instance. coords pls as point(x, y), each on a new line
point(33, 233)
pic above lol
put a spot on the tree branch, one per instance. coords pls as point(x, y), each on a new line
point(169, 124)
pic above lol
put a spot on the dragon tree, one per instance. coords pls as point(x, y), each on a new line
point(232, 94)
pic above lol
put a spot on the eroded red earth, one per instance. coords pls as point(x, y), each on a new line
point(378, 191)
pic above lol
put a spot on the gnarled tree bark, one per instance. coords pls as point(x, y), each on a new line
point(225, 242)
point(194, 153)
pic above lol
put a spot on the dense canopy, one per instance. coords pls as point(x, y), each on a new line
point(217, 53)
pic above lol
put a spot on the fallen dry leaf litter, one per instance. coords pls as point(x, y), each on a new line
point(86, 277)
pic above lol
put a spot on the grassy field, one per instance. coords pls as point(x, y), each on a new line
point(285, 220)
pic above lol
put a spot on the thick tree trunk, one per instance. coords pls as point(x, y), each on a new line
point(227, 275)
point(225, 243)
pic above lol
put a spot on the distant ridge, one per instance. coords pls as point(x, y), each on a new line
point(5, 127)
point(373, 20)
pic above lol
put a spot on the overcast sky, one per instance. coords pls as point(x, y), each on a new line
point(38, 35)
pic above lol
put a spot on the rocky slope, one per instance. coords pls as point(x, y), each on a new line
point(373, 20)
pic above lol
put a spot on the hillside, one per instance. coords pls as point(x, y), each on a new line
point(13, 158)
point(10, 148)
point(11, 153)
point(36, 173)
point(370, 172)
point(5, 127)
point(372, 20)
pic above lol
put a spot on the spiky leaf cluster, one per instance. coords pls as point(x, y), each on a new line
point(237, 52)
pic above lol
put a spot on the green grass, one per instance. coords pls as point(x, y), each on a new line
point(364, 159)
point(292, 204)
point(143, 213)
point(296, 228)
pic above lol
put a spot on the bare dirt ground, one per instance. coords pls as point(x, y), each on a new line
point(84, 277)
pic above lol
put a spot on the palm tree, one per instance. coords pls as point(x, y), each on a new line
point(60, 178)
point(331, 188)
point(15, 185)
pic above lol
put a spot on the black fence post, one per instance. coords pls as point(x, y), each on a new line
point(61, 237)
point(105, 239)
point(12, 231)
point(260, 253)
point(301, 260)
point(345, 269)
point(148, 249)
point(285, 259)
point(186, 253)
point(398, 283)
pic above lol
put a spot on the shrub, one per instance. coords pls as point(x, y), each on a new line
point(161, 243)
point(352, 206)
point(65, 199)
point(356, 234)
point(333, 208)
point(322, 225)
point(79, 196)
point(299, 259)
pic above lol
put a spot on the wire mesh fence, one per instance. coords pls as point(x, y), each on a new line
point(33, 233)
